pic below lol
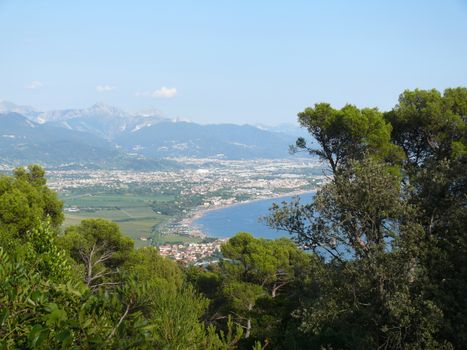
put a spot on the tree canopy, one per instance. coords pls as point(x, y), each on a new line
point(25, 201)
point(391, 223)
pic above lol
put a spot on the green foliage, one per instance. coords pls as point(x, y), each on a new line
point(42, 251)
point(347, 134)
point(369, 295)
point(428, 125)
point(431, 129)
point(176, 318)
point(223, 340)
point(255, 286)
point(99, 233)
point(40, 299)
point(357, 213)
point(242, 295)
point(394, 241)
point(206, 281)
point(147, 264)
point(25, 200)
point(100, 248)
point(270, 264)
point(29, 318)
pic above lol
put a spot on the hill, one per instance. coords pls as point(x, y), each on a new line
point(110, 137)
point(183, 139)
point(24, 141)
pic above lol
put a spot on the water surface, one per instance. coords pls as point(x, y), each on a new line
point(226, 222)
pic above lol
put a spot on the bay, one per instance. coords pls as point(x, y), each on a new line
point(226, 222)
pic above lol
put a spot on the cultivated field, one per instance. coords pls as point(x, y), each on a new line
point(132, 212)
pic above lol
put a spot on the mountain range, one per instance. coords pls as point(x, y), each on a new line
point(100, 119)
point(110, 137)
point(22, 140)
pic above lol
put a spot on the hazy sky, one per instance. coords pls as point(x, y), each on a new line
point(242, 61)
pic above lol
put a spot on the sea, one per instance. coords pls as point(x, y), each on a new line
point(245, 217)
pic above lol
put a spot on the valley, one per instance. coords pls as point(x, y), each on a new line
point(157, 207)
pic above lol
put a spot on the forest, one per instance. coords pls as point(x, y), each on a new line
point(378, 260)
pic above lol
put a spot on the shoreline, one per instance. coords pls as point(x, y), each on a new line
point(196, 229)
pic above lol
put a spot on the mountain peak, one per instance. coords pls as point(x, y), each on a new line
point(7, 106)
point(101, 107)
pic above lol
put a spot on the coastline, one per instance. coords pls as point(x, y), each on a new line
point(196, 230)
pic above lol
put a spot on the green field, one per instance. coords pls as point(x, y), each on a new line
point(132, 212)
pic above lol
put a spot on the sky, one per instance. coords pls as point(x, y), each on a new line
point(239, 61)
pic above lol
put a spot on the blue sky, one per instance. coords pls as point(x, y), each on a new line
point(228, 61)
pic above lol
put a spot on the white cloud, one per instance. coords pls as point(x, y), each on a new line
point(163, 92)
point(35, 84)
point(104, 88)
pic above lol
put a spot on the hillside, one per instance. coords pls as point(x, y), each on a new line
point(23, 141)
point(107, 135)
point(182, 139)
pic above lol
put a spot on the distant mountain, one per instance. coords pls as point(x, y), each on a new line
point(230, 141)
point(27, 111)
point(285, 128)
point(22, 140)
point(100, 119)
point(293, 130)
point(111, 136)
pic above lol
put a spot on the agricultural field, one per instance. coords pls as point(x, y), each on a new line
point(132, 212)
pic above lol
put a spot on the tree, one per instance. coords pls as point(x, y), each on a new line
point(346, 134)
point(242, 297)
point(356, 214)
point(387, 223)
point(156, 290)
point(431, 128)
point(147, 264)
point(52, 206)
point(100, 248)
point(25, 201)
point(271, 264)
point(360, 223)
point(255, 284)
point(43, 305)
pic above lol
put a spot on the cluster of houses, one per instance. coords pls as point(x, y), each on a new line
point(191, 252)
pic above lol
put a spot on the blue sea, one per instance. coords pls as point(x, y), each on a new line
point(226, 222)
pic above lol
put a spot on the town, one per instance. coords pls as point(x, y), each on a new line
point(194, 253)
point(158, 208)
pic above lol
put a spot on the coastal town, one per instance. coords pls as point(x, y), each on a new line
point(160, 208)
point(193, 253)
point(248, 178)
